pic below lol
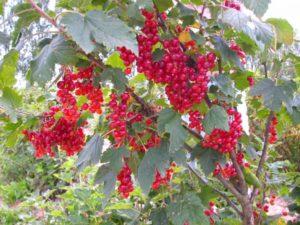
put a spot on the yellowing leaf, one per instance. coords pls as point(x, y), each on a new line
point(195, 25)
point(184, 37)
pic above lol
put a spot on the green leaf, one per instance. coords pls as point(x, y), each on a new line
point(1, 6)
point(8, 69)
point(115, 158)
point(207, 194)
point(108, 177)
point(115, 61)
point(80, 4)
point(259, 7)
point(159, 216)
point(231, 221)
point(225, 84)
point(91, 152)
point(58, 51)
point(158, 54)
point(185, 11)
point(274, 95)
point(258, 31)
point(26, 16)
point(133, 12)
point(196, 37)
point(99, 27)
point(154, 159)
point(216, 118)
point(170, 121)
point(240, 79)
point(163, 5)
point(9, 101)
point(284, 30)
point(246, 43)
point(295, 116)
point(187, 208)
point(116, 77)
point(227, 54)
point(207, 158)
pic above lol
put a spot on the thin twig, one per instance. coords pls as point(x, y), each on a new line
point(231, 188)
point(203, 10)
point(265, 146)
point(192, 132)
point(239, 172)
point(44, 14)
point(225, 197)
point(265, 69)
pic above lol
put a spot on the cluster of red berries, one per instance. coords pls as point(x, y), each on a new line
point(128, 58)
point(117, 117)
point(232, 4)
point(185, 85)
point(267, 204)
point(210, 212)
point(64, 131)
point(241, 54)
point(142, 141)
point(121, 119)
point(225, 141)
point(163, 181)
point(195, 119)
point(251, 81)
point(272, 130)
point(126, 184)
point(240, 158)
point(80, 84)
point(227, 172)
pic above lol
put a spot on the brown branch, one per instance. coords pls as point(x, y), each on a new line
point(225, 197)
point(192, 132)
point(146, 107)
point(265, 146)
point(265, 69)
point(240, 175)
point(44, 14)
point(203, 10)
point(232, 189)
point(263, 154)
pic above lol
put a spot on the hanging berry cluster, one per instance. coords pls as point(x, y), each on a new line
point(272, 130)
point(117, 117)
point(232, 4)
point(163, 180)
point(210, 212)
point(128, 57)
point(251, 81)
point(225, 141)
point(241, 54)
point(227, 172)
point(65, 132)
point(185, 85)
point(195, 119)
point(240, 158)
point(121, 121)
point(126, 184)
